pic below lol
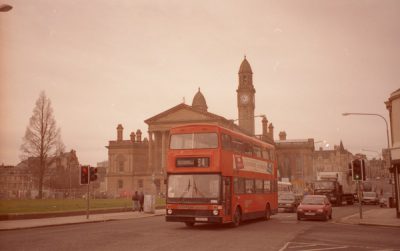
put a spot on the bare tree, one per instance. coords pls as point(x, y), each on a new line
point(42, 140)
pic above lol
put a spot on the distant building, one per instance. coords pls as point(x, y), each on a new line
point(15, 182)
point(336, 160)
point(376, 168)
point(295, 160)
point(61, 178)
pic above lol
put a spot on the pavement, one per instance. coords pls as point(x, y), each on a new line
point(375, 217)
point(67, 220)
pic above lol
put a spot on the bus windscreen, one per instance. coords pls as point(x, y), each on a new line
point(194, 186)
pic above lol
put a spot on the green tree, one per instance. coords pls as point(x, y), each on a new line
point(42, 140)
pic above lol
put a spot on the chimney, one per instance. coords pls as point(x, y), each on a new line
point(120, 130)
point(133, 136)
point(282, 135)
point(271, 131)
point(139, 135)
point(264, 127)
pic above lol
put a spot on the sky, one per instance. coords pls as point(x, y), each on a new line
point(104, 63)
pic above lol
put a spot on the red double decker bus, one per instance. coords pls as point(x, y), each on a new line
point(216, 175)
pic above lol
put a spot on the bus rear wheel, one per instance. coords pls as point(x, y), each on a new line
point(237, 218)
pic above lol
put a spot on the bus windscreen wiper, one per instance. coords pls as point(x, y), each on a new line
point(185, 191)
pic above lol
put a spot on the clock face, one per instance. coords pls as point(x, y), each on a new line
point(244, 99)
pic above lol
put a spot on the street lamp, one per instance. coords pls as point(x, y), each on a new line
point(388, 148)
point(372, 114)
point(255, 116)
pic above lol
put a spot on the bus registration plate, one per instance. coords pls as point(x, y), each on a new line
point(201, 219)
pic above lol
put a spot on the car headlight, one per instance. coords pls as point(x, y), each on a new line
point(215, 212)
point(299, 210)
point(169, 211)
point(320, 210)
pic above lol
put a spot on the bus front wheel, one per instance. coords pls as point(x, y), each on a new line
point(237, 218)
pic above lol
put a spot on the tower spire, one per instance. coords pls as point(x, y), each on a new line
point(246, 97)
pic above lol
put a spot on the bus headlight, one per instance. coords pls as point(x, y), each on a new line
point(169, 211)
point(215, 212)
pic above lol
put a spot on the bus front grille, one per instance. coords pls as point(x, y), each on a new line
point(188, 212)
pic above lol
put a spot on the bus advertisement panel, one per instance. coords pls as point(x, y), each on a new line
point(216, 175)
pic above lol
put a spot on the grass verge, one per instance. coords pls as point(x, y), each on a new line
point(63, 205)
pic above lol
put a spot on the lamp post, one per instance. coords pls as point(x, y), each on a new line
point(372, 114)
point(388, 147)
point(255, 116)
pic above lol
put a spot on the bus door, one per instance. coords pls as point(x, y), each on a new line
point(227, 195)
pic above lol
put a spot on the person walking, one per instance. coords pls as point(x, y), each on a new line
point(135, 200)
point(141, 201)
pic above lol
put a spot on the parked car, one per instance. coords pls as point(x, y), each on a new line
point(314, 207)
point(287, 201)
point(370, 198)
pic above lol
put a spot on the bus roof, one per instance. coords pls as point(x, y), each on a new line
point(218, 128)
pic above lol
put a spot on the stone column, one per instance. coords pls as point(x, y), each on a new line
point(163, 150)
point(150, 163)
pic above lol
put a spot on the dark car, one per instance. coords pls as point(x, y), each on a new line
point(370, 198)
point(287, 201)
point(314, 207)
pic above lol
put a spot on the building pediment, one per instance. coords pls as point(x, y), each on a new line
point(183, 113)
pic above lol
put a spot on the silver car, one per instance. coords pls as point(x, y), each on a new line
point(287, 201)
point(370, 198)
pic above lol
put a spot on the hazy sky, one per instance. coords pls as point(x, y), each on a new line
point(107, 62)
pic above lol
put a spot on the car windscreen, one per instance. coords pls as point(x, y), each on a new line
point(286, 196)
point(313, 200)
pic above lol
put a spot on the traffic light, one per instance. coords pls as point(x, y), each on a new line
point(93, 173)
point(84, 170)
point(357, 170)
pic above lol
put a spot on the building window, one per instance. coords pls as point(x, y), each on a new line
point(121, 166)
point(120, 183)
point(140, 183)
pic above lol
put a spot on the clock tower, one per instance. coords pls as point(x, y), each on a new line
point(246, 98)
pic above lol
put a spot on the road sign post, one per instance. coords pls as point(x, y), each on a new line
point(88, 200)
point(359, 194)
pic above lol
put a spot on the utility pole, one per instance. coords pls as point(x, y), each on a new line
point(88, 198)
point(359, 194)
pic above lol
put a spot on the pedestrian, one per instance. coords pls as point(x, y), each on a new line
point(141, 201)
point(135, 200)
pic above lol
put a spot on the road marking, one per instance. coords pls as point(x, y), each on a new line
point(303, 246)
